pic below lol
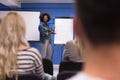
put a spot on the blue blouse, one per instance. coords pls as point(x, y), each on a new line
point(43, 33)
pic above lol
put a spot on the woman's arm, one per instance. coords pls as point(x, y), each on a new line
point(42, 31)
point(52, 30)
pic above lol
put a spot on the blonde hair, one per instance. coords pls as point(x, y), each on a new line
point(12, 34)
point(79, 45)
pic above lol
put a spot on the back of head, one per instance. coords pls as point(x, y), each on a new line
point(100, 20)
point(12, 33)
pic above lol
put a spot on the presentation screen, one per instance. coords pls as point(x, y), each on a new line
point(63, 30)
point(32, 22)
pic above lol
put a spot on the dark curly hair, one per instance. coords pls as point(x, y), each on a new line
point(42, 17)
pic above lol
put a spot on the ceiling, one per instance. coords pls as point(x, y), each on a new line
point(47, 1)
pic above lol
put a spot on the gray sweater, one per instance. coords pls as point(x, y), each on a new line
point(71, 52)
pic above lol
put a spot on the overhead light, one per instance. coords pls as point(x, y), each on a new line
point(11, 3)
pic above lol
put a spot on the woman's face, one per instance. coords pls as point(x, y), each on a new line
point(45, 19)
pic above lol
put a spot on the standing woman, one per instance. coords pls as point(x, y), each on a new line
point(45, 32)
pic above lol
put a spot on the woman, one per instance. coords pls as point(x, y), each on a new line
point(45, 32)
point(16, 56)
point(73, 51)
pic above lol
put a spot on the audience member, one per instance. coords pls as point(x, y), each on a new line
point(73, 51)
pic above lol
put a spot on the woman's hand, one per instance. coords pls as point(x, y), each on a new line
point(53, 27)
point(52, 32)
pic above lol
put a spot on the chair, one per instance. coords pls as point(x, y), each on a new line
point(70, 66)
point(48, 66)
point(65, 75)
point(26, 77)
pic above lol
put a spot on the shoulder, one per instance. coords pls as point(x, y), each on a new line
point(76, 77)
point(40, 25)
point(70, 43)
point(83, 76)
point(79, 76)
point(33, 49)
point(34, 52)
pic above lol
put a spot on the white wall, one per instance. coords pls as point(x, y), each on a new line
point(63, 30)
point(32, 22)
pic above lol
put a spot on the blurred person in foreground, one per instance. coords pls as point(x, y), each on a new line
point(99, 29)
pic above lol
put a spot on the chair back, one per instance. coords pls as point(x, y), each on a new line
point(70, 66)
point(48, 66)
point(26, 77)
point(65, 75)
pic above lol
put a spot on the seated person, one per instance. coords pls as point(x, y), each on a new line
point(73, 51)
point(16, 56)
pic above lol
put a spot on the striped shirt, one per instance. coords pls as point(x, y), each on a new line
point(30, 61)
